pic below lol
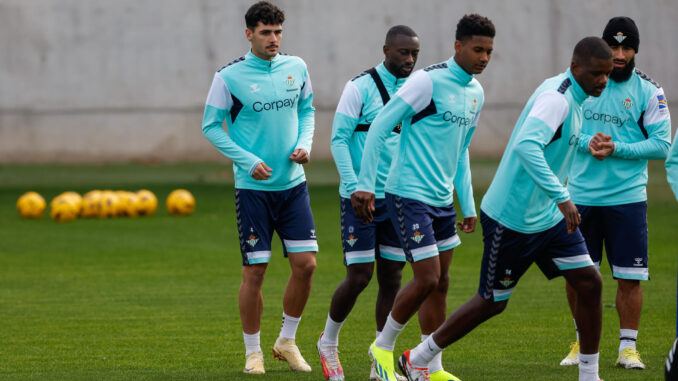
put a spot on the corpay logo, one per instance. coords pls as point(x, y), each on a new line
point(605, 118)
point(275, 105)
point(459, 120)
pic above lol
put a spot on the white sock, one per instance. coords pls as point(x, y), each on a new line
point(389, 334)
point(576, 329)
point(289, 326)
point(627, 339)
point(251, 343)
point(588, 367)
point(424, 353)
point(436, 363)
point(331, 333)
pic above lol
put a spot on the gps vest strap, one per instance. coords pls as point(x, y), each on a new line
point(384, 98)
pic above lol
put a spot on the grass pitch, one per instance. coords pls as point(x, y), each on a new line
point(156, 298)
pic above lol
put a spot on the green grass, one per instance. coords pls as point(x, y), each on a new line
point(156, 298)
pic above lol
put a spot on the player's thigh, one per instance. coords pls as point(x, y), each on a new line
point(592, 228)
point(626, 240)
point(507, 254)
point(388, 242)
point(414, 225)
point(560, 251)
point(357, 237)
point(294, 221)
point(444, 227)
point(255, 225)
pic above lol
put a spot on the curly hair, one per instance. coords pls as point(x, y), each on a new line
point(474, 25)
point(265, 12)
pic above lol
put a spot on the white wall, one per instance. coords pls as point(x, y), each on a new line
point(95, 80)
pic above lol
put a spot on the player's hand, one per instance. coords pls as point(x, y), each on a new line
point(572, 216)
point(469, 224)
point(363, 205)
point(299, 156)
point(262, 172)
point(601, 146)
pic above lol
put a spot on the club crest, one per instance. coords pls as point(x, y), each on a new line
point(507, 281)
point(417, 237)
point(252, 240)
point(627, 103)
point(351, 240)
point(290, 81)
point(620, 37)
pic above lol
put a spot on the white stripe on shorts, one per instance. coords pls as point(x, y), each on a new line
point(309, 242)
point(350, 255)
point(449, 243)
point(424, 250)
point(568, 263)
point(640, 273)
point(500, 295)
point(258, 254)
point(396, 253)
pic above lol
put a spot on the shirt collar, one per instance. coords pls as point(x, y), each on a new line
point(460, 74)
point(258, 62)
point(386, 75)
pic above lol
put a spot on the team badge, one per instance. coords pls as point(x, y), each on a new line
point(452, 100)
point(627, 103)
point(351, 240)
point(620, 37)
point(417, 237)
point(290, 81)
point(507, 279)
point(255, 87)
point(252, 240)
point(661, 100)
point(474, 107)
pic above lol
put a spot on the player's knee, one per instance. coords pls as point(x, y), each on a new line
point(253, 275)
point(359, 276)
point(628, 285)
point(390, 285)
point(427, 284)
point(589, 287)
point(495, 308)
point(443, 283)
point(304, 269)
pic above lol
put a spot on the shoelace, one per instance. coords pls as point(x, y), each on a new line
point(333, 357)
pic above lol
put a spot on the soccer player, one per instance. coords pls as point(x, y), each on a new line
point(362, 99)
point(672, 167)
point(266, 99)
point(610, 194)
point(438, 108)
point(527, 215)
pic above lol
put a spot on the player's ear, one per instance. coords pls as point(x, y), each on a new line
point(457, 46)
point(248, 34)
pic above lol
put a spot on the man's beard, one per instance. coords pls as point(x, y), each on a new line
point(625, 73)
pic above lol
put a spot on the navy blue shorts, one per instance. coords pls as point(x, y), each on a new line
point(508, 254)
point(361, 241)
point(623, 231)
point(424, 230)
point(287, 212)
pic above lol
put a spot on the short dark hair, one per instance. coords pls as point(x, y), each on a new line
point(591, 47)
point(265, 12)
point(474, 25)
point(398, 30)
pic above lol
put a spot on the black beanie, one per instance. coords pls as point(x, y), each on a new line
point(622, 31)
